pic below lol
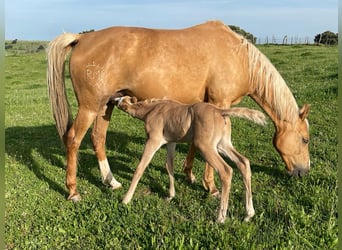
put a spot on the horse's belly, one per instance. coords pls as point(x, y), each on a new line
point(178, 92)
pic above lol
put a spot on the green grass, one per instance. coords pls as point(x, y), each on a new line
point(290, 213)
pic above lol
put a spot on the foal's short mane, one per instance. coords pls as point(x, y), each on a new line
point(269, 86)
point(154, 100)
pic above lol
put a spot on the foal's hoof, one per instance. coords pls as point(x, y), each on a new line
point(248, 217)
point(221, 219)
point(74, 198)
point(170, 198)
point(215, 193)
point(114, 184)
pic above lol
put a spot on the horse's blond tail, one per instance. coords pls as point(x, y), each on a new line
point(57, 52)
point(250, 114)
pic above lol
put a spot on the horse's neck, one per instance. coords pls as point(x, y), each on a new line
point(269, 89)
point(270, 111)
point(285, 109)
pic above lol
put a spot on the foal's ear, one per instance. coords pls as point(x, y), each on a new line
point(303, 113)
point(134, 99)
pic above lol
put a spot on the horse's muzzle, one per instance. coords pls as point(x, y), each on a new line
point(299, 172)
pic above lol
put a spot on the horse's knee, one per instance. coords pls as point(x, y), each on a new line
point(96, 140)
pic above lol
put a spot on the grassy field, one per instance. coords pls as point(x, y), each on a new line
point(290, 213)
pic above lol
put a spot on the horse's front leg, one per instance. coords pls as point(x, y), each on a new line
point(208, 180)
point(188, 164)
point(98, 137)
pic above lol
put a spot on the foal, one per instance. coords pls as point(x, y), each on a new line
point(208, 127)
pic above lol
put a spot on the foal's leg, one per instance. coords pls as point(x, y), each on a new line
point(169, 167)
point(98, 137)
point(225, 173)
point(208, 175)
point(150, 149)
point(245, 169)
point(73, 140)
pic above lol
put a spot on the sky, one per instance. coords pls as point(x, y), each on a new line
point(46, 19)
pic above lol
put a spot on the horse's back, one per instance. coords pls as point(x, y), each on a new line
point(157, 63)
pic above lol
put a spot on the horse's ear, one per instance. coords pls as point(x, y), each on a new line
point(303, 113)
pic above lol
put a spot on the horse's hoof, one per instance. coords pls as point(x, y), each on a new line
point(116, 185)
point(75, 198)
point(210, 186)
point(190, 178)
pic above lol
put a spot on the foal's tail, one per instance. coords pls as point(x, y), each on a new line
point(56, 55)
point(250, 114)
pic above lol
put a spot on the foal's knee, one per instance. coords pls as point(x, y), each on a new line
point(229, 172)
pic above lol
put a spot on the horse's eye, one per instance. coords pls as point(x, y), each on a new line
point(305, 140)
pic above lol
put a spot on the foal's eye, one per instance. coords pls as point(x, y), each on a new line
point(305, 140)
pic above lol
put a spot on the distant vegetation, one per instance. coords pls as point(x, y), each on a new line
point(16, 47)
point(86, 31)
point(250, 37)
point(327, 38)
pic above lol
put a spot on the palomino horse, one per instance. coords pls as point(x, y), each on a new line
point(208, 62)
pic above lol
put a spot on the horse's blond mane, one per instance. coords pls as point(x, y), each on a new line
point(269, 85)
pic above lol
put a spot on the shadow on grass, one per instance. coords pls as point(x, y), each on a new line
point(30, 146)
point(24, 143)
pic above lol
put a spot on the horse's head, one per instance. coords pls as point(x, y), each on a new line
point(292, 142)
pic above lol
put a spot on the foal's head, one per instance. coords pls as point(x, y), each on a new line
point(124, 103)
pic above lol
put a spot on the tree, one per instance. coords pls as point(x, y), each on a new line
point(327, 38)
point(86, 31)
point(244, 33)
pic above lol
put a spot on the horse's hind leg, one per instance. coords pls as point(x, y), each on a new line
point(188, 164)
point(73, 140)
point(98, 137)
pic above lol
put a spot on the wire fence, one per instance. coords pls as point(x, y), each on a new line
point(285, 40)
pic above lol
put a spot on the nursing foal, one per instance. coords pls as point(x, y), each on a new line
point(208, 127)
